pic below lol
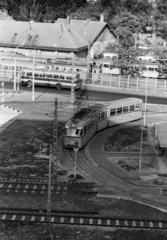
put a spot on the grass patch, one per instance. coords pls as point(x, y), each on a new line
point(18, 156)
point(126, 139)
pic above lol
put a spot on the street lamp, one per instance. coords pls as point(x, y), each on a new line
point(72, 85)
point(141, 146)
point(145, 109)
point(76, 148)
point(33, 87)
point(3, 91)
point(15, 80)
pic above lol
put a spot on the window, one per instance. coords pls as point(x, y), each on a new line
point(112, 112)
point(29, 74)
point(49, 75)
point(62, 77)
point(125, 109)
point(68, 77)
point(85, 129)
point(138, 106)
point(56, 76)
point(150, 69)
point(119, 110)
point(132, 108)
point(106, 65)
point(36, 75)
point(72, 131)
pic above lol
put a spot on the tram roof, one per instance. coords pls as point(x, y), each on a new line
point(161, 132)
point(20, 62)
point(123, 102)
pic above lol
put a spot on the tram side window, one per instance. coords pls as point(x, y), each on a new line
point(150, 69)
point(138, 106)
point(132, 108)
point(81, 132)
point(106, 65)
point(91, 123)
point(119, 110)
point(29, 74)
point(125, 109)
point(103, 115)
point(36, 75)
point(112, 112)
point(85, 129)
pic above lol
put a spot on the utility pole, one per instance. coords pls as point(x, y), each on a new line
point(72, 85)
point(49, 194)
point(55, 137)
point(52, 163)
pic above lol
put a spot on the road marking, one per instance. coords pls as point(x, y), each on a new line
point(24, 191)
point(117, 222)
point(108, 222)
point(10, 185)
point(90, 221)
point(134, 223)
point(141, 224)
point(18, 186)
point(52, 219)
point(26, 186)
point(72, 220)
point(33, 218)
point(1, 185)
point(151, 224)
point(160, 225)
point(81, 220)
point(126, 223)
point(3, 217)
point(58, 188)
point(43, 187)
point(42, 219)
point(23, 218)
point(99, 222)
point(16, 190)
point(65, 188)
point(13, 217)
point(62, 219)
point(35, 187)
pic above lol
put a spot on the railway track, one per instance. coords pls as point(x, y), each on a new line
point(15, 186)
point(78, 218)
point(87, 164)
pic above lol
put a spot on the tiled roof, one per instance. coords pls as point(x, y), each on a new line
point(44, 35)
point(88, 30)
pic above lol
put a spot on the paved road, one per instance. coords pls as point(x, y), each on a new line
point(92, 94)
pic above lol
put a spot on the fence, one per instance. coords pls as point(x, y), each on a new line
point(129, 83)
point(111, 81)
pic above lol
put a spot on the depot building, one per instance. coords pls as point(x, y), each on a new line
point(61, 38)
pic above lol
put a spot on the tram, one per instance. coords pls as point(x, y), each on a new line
point(85, 123)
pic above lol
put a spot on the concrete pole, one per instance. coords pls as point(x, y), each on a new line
point(33, 98)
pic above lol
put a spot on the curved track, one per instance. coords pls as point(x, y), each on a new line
point(112, 182)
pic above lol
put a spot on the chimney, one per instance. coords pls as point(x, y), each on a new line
point(101, 17)
point(68, 23)
point(61, 31)
point(87, 21)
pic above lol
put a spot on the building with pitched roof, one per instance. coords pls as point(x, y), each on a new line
point(63, 37)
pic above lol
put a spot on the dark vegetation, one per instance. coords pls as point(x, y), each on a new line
point(123, 138)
